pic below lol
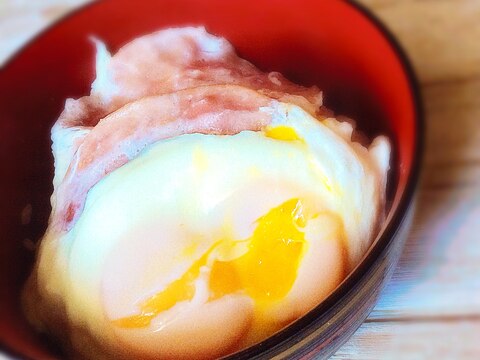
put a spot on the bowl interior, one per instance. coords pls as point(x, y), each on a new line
point(328, 43)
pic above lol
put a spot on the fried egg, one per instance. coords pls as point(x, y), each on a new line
point(208, 234)
point(197, 215)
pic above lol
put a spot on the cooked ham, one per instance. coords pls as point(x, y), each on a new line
point(171, 60)
point(122, 135)
point(172, 82)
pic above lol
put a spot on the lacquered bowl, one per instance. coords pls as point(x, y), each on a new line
point(334, 44)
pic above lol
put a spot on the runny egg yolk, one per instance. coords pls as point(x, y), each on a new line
point(266, 271)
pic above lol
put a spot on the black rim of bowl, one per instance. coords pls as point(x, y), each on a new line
point(282, 340)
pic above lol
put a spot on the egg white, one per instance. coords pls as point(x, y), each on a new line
point(145, 223)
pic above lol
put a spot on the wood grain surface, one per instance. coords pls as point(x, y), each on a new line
point(431, 308)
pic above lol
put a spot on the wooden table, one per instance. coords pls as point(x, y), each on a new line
point(431, 308)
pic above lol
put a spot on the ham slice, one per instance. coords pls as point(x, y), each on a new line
point(169, 83)
point(176, 59)
point(122, 135)
point(171, 60)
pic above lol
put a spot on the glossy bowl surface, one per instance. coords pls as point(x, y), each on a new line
point(334, 44)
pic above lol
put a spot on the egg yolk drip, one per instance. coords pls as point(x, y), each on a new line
point(266, 271)
point(281, 132)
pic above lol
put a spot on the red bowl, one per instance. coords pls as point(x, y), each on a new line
point(334, 44)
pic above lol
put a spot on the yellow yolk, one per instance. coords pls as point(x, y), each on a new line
point(282, 132)
point(266, 271)
point(180, 290)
